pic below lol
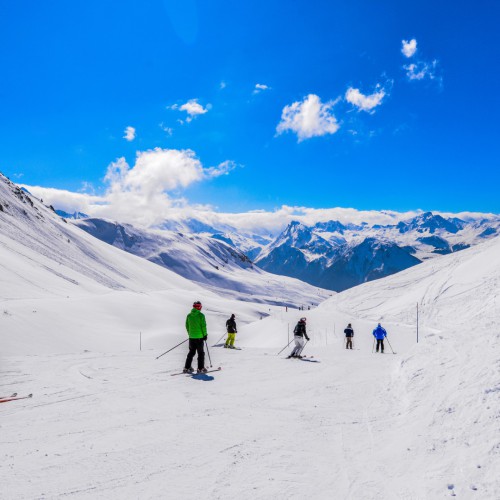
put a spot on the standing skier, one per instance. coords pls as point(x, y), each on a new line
point(196, 327)
point(380, 334)
point(299, 334)
point(349, 334)
point(231, 332)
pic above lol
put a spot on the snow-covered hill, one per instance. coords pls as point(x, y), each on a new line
point(57, 279)
point(213, 262)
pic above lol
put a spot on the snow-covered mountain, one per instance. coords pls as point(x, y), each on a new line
point(212, 261)
point(74, 215)
point(337, 256)
point(58, 248)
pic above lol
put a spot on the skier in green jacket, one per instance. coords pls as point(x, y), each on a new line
point(196, 327)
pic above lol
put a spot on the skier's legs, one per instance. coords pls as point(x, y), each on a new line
point(349, 343)
point(201, 353)
point(302, 344)
point(298, 345)
point(190, 356)
point(230, 339)
point(380, 342)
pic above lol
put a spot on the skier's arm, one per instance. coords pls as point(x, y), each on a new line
point(187, 325)
point(204, 326)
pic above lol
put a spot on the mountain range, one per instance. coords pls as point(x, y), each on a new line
point(329, 254)
point(59, 249)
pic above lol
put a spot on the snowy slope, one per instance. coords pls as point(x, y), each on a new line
point(107, 421)
point(209, 261)
point(56, 280)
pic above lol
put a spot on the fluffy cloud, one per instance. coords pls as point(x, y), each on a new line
point(409, 48)
point(129, 134)
point(308, 118)
point(421, 70)
point(145, 194)
point(68, 201)
point(365, 102)
point(193, 108)
point(260, 87)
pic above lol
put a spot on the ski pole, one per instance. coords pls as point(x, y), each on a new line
point(389, 345)
point(219, 340)
point(172, 349)
point(208, 352)
point(373, 348)
point(285, 347)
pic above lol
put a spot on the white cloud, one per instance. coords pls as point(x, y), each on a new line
point(145, 194)
point(409, 47)
point(129, 134)
point(68, 201)
point(193, 109)
point(365, 102)
point(308, 118)
point(421, 70)
point(260, 87)
point(221, 169)
point(125, 201)
point(222, 85)
point(167, 130)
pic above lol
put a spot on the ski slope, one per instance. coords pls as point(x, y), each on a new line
point(421, 424)
point(108, 421)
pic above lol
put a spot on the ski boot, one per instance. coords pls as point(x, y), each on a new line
point(188, 370)
point(201, 370)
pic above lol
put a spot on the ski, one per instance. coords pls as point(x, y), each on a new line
point(13, 395)
point(208, 371)
point(5, 400)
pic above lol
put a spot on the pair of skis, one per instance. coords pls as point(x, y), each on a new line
point(194, 373)
point(14, 397)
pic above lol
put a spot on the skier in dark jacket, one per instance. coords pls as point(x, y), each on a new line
point(231, 332)
point(196, 327)
point(349, 334)
point(380, 334)
point(299, 334)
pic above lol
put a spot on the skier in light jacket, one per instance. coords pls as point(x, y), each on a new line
point(299, 334)
point(196, 327)
point(380, 334)
point(231, 332)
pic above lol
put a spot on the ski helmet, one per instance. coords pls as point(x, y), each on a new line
point(302, 320)
point(197, 305)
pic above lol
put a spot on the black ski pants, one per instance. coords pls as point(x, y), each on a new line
point(196, 345)
point(380, 342)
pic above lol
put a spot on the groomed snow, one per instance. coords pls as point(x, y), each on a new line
point(109, 421)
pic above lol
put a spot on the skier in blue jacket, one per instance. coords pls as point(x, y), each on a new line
point(380, 334)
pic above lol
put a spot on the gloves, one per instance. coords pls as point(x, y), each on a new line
point(308, 339)
point(205, 337)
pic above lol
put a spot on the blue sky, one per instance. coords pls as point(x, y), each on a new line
point(282, 103)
